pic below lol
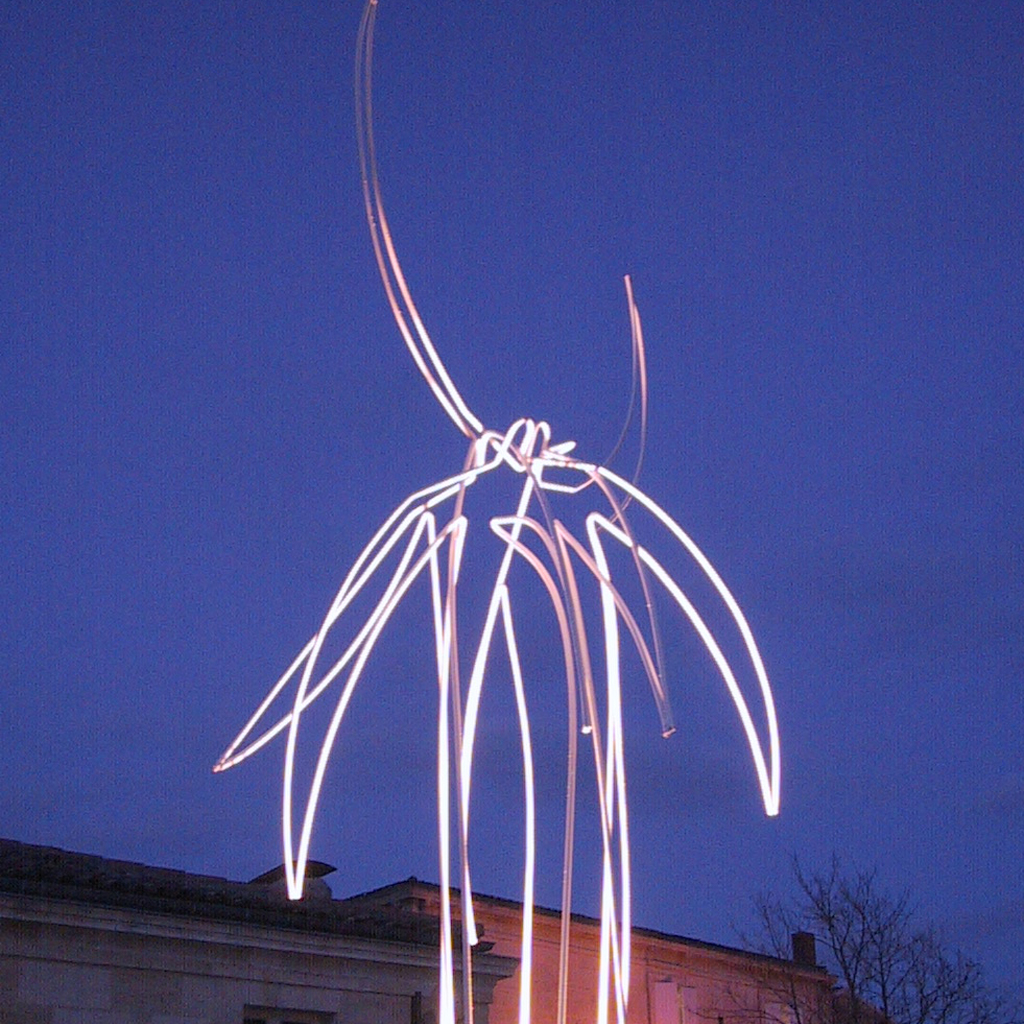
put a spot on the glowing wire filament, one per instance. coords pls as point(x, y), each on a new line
point(427, 534)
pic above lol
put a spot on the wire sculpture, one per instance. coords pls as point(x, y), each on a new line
point(427, 534)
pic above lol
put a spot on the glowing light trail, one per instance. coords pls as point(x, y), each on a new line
point(427, 535)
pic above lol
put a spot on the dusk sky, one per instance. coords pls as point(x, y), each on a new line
point(207, 410)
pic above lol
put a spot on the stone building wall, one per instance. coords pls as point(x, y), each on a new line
point(84, 940)
point(89, 941)
point(675, 980)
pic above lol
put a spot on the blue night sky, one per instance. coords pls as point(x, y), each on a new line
point(207, 410)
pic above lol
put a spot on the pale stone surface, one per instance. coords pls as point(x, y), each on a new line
point(83, 986)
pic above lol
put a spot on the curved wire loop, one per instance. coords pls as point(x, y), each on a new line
point(404, 310)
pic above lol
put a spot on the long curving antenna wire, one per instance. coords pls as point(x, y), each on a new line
point(404, 310)
point(638, 386)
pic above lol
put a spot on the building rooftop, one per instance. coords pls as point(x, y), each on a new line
point(47, 872)
point(411, 892)
point(398, 912)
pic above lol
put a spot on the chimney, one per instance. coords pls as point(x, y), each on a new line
point(314, 889)
point(803, 949)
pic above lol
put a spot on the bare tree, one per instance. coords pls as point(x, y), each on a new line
point(889, 969)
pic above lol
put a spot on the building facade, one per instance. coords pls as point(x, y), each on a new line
point(674, 980)
point(94, 941)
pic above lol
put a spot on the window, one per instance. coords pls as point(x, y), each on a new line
point(272, 1015)
point(665, 1003)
